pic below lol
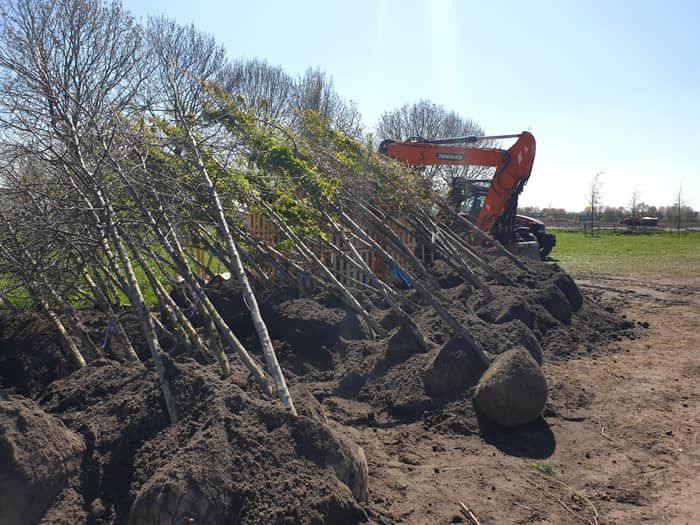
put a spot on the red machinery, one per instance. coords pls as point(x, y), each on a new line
point(493, 207)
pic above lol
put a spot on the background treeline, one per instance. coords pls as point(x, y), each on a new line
point(667, 215)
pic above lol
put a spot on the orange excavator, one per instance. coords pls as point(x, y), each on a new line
point(491, 204)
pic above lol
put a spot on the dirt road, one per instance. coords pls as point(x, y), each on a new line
point(618, 443)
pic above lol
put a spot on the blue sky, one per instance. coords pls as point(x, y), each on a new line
point(604, 86)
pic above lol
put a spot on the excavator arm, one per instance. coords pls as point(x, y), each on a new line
point(513, 166)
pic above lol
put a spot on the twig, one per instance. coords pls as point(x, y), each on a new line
point(533, 513)
point(558, 499)
point(602, 429)
point(468, 513)
point(583, 497)
point(593, 521)
point(525, 506)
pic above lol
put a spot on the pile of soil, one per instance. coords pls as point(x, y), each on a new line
point(236, 457)
point(332, 352)
point(231, 458)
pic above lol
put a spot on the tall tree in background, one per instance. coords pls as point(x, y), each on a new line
point(276, 96)
point(267, 89)
point(678, 206)
point(314, 91)
point(427, 120)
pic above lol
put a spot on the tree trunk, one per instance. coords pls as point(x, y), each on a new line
point(485, 236)
point(454, 323)
point(346, 295)
point(139, 304)
point(103, 304)
point(384, 290)
point(239, 271)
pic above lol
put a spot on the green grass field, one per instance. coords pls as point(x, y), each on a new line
point(657, 254)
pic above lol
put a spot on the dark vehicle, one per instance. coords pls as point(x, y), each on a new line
point(529, 227)
point(637, 221)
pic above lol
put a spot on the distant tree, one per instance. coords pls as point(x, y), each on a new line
point(677, 209)
point(424, 119)
point(553, 216)
point(314, 91)
point(634, 202)
point(612, 214)
point(266, 88)
point(595, 197)
point(427, 120)
point(530, 210)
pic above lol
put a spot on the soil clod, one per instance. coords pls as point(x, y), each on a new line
point(513, 391)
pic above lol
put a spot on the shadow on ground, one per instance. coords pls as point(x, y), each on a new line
point(534, 440)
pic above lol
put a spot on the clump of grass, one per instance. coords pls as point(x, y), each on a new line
point(542, 468)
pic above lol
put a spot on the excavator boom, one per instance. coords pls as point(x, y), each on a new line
point(513, 166)
point(426, 154)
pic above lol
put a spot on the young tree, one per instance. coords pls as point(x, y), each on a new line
point(634, 203)
point(71, 73)
point(595, 197)
point(678, 208)
point(184, 61)
point(612, 214)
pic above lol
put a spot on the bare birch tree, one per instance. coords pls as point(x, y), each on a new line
point(186, 59)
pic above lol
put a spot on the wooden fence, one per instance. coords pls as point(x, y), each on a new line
point(264, 229)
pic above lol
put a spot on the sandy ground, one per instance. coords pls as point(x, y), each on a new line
point(618, 443)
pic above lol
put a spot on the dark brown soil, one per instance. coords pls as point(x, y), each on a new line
point(232, 457)
point(618, 443)
point(30, 354)
point(236, 458)
point(38, 455)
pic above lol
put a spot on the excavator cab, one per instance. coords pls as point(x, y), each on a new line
point(473, 197)
point(522, 234)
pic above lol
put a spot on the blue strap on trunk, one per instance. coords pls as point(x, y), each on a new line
point(108, 330)
point(396, 272)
